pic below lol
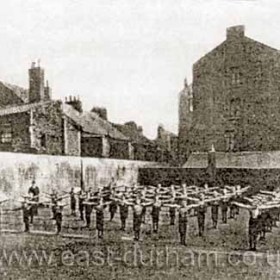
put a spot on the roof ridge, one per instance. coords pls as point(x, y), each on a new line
point(12, 85)
point(19, 91)
point(21, 108)
point(108, 123)
point(93, 123)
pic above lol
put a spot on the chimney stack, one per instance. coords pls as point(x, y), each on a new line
point(37, 90)
point(140, 130)
point(75, 103)
point(235, 32)
point(47, 92)
point(160, 131)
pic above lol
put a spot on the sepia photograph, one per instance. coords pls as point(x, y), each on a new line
point(140, 139)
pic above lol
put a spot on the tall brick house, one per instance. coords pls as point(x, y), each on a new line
point(235, 98)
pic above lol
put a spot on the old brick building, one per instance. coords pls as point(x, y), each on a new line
point(12, 95)
point(99, 138)
point(40, 127)
point(167, 146)
point(142, 147)
point(235, 98)
point(30, 121)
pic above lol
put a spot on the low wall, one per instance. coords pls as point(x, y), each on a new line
point(248, 160)
point(258, 178)
point(168, 176)
point(61, 172)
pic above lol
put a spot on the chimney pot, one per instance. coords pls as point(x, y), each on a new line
point(75, 103)
point(36, 84)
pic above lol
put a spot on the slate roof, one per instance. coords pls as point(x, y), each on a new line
point(133, 134)
point(18, 91)
point(91, 123)
point(21, 108)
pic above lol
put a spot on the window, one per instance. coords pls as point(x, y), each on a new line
point(235, 107)
point(236, 79)
point(43, 141)
point(236, 76)
point(6, 133)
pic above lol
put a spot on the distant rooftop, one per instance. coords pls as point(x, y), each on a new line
point(92, 123)
point(18, 91)
point(133, 132)
point(89, 122)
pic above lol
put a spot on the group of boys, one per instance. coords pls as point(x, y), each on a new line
point(139, 199)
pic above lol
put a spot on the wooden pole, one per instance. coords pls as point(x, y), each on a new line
point(82, 185)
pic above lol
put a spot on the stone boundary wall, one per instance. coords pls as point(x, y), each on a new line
point(61, 172)
point(249, 160)
point(266, 178)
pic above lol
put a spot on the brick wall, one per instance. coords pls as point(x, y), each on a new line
point(92, 147)
point(257, 178)
point(62, 172)
point(18, 124)
point(72, 138)
point(119, 149)
point(142, 151)
point(236, 97)
point(168, 176)
point(47, 128)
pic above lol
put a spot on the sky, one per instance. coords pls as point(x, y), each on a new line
point(130, 56)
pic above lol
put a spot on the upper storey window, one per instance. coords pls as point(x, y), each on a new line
point(236, 77)
point(6, 134)
point(235, 106)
